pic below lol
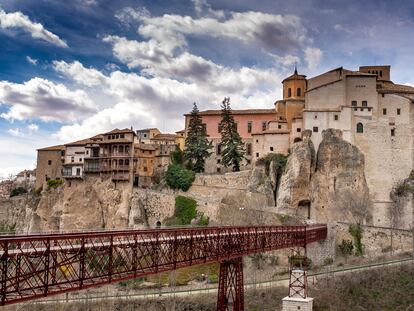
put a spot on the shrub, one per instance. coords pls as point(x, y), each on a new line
point(177, 156)
point(17, 191)
point(356, 231)
point(185, 211)
point(328, 261)
point(279, 161)
point(177, 177)
point(346, 247)
point(37, 191)
point(54, 183)
point(203, 220)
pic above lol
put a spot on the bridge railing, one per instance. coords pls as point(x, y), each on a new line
point(39, 265)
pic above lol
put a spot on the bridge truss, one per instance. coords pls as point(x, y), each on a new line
point(34, 266)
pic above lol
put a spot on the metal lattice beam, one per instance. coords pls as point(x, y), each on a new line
point(34, 266)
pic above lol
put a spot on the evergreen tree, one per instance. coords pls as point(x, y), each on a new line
point(197, 145)
point(232, 150)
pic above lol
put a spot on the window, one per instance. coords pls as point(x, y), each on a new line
point(49, 162)
point(145, 169)
point(248, 161)
point(127, 162)
point(122, 135)
point(360, 128)
point(271, 148)
point(249, 127)
point(298, 130)
point(289, 92)
point(384, 111)
point(298, 92)
point(80, 159)
point(257, 154)
point(264, 125)
point(354, 103)
point(87, 151)
point(336, 117)
point(364, 103)
point(257, 140)
point(205, 127)
point(249, 149)
point(279, 126)
point(380, 73)
point(218, 149)
point(315, 116)
point(78, 171)
point(218, 161)
point(392, 132)
point(218, 170)
point(315, 129)
point(398, 111)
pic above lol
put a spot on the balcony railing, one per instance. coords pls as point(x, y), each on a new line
point(70, 175)
point(115, 154)
point(115, 168)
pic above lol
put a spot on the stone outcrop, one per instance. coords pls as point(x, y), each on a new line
point(330, 187)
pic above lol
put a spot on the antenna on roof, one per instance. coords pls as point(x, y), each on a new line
point(296, 70)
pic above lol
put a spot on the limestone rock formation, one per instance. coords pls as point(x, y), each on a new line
point(330, 187)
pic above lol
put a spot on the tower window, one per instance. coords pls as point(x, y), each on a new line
point(398, 111)
point(384, 111)
point(315, 129)
point(364, 103)
point(279, 126)
point(298, 130)
point(257, 154)
point(360, 128)
point(271, 148)
point(336, 117)
point(289, 92)
point(392, 132)
point(354, 103)
point(49, 162)
point(299, 92)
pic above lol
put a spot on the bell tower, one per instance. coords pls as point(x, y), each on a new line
point(294, 86)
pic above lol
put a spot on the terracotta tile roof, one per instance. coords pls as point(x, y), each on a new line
point(120, 131)
point(164, 137)
point(272, 132)
point(182, 131)
point(53, 148)
point(389, 87)
point(236, 112)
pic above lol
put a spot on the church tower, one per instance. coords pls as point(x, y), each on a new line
point(294, 86)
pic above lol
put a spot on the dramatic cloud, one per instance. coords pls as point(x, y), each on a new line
point(20, 21)
point(76, 71)
point(313, 57)
point(281, 32)
point(42, 99)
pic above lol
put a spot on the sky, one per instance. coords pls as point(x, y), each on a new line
point(73, 69)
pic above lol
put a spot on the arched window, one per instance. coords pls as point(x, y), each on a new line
point(298, 92)
point(289, 92)
point(360, 128)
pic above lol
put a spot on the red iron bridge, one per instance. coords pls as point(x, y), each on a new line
point(40, 265)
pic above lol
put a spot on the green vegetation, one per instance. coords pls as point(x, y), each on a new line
point(37, 191)
point(346, 247)
point(178, 177)
point(185, 211)
point(7, 229)
point(356, 231)
point(177, 156)
point(279, 162)
point(54, 183)
point(232, 146)
point(197, 145)
point(18, 191)
point(203, 220)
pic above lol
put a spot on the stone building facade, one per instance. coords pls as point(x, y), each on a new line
point(49, 164)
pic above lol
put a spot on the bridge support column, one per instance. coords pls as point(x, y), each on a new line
point(230, 291)
point(298, 285)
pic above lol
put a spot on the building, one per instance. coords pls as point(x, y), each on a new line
point(49, 164)
point(180, 139)
point(116, 154)
point(26, 177)
point(248, 121)
point(374, 114)
point(145, 155)
point(145, 135)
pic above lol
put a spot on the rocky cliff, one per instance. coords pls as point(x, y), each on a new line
point(326, 188)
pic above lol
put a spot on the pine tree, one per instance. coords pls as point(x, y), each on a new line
point(197, 145)
point(232, 150)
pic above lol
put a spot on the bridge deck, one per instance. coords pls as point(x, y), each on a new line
point(39, 265)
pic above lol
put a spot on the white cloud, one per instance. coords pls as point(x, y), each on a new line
point(80, 74)
point(281, 32)
point(42, 99)
point(15, 132)
point(203, 8)
point(20, 21)
point(32, 61)
point(313, 57)
point(32, 128)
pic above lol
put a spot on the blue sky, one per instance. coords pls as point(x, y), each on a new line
point(72, 69)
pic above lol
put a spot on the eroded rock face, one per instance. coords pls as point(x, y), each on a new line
point(339, 190)
point(330, 187)
point(294, 189)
